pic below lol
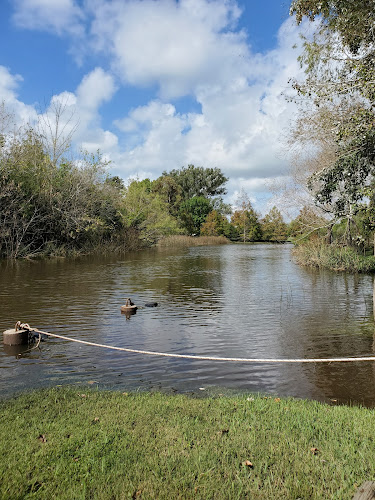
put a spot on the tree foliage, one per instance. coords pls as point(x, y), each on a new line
point(340, 58)
point(217, 224)
point(147, 212)
point(273, 226)
point(339, 63)
point(193, 213)
point(199, 181)
point(169, 191)
point(191, 193)
point(48, 207)
point(246, 220)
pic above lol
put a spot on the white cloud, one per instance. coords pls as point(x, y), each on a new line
point(8, 83)
point(238, 129)
point(8, 94)
point(78, 113)
point(176, 45)
point(96, 88)
point(189, 47)
point(57, 16)
point(99, 139)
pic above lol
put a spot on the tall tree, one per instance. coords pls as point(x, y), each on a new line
point(273, 226)
point(217, 224)
point(199, 181)
point(340, 73)
point(170, 191)
point(193, 213)
point(246, 220)
point(147, 212)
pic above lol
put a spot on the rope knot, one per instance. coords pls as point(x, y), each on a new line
point(22, 326)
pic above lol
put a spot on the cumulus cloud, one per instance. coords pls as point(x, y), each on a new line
point(238, 129)
point(96, 88)
point(56, 16)
point(68, 114)
point(175, 45)
point(9, 84)
point(179, 48)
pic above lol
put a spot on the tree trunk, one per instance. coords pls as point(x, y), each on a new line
point(349, 232)
point(329, 234)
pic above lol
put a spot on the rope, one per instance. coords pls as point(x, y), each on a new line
point(34, 347)
point(25, 326)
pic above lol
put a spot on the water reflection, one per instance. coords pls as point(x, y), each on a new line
point(233, 301)
point(128, 314)
point(16, 350)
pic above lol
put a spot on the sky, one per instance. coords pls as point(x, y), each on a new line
point(160, 84)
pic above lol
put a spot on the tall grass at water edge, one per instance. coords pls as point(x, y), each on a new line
point(69, 443)
point(190, 241)
point(333, 257)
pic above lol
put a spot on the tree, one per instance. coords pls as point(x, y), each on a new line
point(147, 212)
point(193, 213)
point(246, 220)
point(199, 181)
point(54, 206)
point(217, 224)
point(307, 223)
point(339, 60)
point(56, 128)
point(340, 73)
point(24, 179)
point(273, 226)
point(170, 191)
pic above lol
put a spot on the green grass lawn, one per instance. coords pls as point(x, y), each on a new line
point(75, 444)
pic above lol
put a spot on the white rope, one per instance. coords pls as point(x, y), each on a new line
point(25, 326)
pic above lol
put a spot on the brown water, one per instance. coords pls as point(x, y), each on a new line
point(233, 301)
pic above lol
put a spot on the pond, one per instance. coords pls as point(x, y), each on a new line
point(243, 301)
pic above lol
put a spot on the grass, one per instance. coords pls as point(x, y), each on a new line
point(65, 444)
point(191, 241)
point(332, 257)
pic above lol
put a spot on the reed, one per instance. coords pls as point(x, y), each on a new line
point(333, 257)
point(192, 241)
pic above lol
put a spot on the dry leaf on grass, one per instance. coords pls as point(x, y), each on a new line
point(247, 463)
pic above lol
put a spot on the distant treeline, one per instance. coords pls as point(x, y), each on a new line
point(50, 205)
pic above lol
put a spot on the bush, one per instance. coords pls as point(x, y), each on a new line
point(333, 257)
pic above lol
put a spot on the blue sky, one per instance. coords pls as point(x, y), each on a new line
point(158, 84)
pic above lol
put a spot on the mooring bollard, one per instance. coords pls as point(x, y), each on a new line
point(15, 337)
point(128, 306)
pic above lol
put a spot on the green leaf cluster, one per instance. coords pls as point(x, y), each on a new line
point(339, 62)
